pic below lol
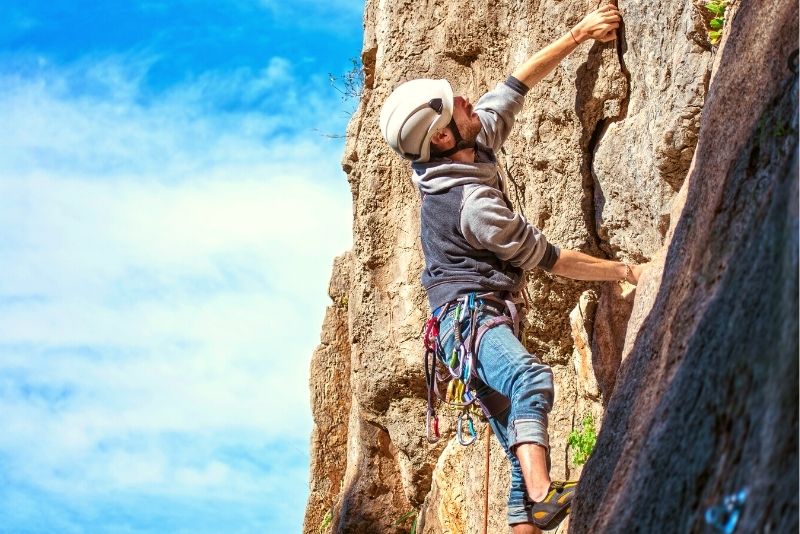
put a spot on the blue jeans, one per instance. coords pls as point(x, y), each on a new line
point(503, 365)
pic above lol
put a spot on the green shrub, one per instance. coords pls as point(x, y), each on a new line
point(582, 442)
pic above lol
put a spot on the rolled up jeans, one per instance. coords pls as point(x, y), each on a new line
point(503, 365)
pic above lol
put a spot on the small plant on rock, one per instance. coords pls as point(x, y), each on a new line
point(326, 522)
point(582, 442)
point(405, 517)
point(349, 85)
point(717, 8)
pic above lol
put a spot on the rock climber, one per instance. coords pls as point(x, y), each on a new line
point(477, 250)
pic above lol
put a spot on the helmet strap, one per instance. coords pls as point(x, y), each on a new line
point(461, 143)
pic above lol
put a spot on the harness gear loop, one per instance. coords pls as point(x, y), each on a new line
point(432, 346)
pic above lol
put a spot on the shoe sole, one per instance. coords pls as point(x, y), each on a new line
point(555, 520)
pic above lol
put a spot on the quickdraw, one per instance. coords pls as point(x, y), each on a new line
point(430, 339)
point(457, 369)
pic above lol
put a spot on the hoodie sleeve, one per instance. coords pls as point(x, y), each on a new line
point(497, 109)
point(487, 223)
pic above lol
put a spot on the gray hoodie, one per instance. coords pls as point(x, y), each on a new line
point(472, 239)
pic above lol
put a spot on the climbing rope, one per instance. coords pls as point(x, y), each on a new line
point(486, 484)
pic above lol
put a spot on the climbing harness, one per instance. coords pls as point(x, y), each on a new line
point(457, 369)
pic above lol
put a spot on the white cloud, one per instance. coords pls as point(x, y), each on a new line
point(164, 274)
point(88, 119)
point(278, 70)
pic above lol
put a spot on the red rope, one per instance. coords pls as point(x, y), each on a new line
point(486, 486)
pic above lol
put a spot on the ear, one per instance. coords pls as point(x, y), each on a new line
point(442, 137)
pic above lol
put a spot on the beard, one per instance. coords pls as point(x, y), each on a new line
point(469, 129)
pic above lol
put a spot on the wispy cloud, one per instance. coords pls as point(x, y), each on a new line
point(90, 118)
point(330, 15)
point(165, 263)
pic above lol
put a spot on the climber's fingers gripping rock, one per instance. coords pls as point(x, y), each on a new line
point(601, 24)
point(636, 272)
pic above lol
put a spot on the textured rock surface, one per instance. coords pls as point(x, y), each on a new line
point(708, 392)
point(330, 401)
point(644, 151)
point(455, 503)
point(595, 160)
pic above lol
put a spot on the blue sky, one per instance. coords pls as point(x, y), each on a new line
point(169, 211)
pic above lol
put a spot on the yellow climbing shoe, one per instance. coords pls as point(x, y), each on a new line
point(551, 510)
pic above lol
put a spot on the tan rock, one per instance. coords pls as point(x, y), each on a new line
point(581, 320)
point(455, 503)
point(642, 155)
point(610, 328)
point(330, 401)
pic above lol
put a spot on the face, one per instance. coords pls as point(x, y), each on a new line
point(469, 125)
point(468, 122)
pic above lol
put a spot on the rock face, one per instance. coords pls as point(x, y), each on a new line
point(598, 160)
point(708, 391)
point(330, 398)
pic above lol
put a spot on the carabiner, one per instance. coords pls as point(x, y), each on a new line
point(459, 390)
point(462, 354)
point(724, 517)
point(459, 433)
point(451, 391)
point(431, 334)
point(453, 361)
point(466, 368)
point(463, 311)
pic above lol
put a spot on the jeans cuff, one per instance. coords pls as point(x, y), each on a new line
point(519, 513)
point(528, 431)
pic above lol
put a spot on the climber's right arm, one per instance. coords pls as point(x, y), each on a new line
point(488, 224)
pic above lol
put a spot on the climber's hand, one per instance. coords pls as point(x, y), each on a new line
point(636, 272)
point(600, 25)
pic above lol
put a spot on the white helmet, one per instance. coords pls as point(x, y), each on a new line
point(413, 113)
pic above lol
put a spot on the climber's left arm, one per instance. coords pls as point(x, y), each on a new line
point(600, 25)
point(580, 266)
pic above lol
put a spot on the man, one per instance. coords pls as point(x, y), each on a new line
point(477, 249)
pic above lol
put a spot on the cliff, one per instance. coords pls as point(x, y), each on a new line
point(657, 147)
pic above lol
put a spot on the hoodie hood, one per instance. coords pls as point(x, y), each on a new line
point(439, 175)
